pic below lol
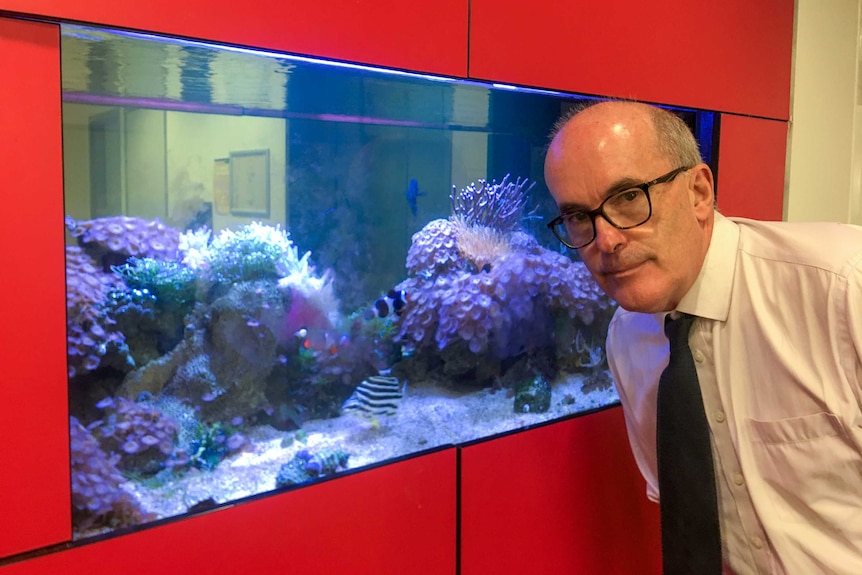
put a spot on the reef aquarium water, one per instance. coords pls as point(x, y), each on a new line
point(280, 269)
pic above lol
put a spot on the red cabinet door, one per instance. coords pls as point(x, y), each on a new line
point(562, 498)
point(392, 520)
point(427, 37)
point(730, 55)
point(34, 420)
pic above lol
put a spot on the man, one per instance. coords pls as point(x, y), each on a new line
point(776, 339)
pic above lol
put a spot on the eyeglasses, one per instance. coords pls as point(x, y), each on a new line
point(626, 209)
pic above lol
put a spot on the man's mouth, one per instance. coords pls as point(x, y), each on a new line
point(621, 269)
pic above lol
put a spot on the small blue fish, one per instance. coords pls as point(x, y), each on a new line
point(413, 194)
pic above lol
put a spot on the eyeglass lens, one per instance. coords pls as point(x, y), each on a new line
point(625, 209)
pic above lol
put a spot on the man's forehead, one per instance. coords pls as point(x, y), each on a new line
point(607, 126)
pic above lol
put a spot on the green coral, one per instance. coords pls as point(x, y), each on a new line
point(250, 253)
point(533, 396)
point(170, 283)
point(212, 443)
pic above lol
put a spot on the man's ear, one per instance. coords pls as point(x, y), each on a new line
point(702, 190)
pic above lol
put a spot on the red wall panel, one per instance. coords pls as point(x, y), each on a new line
point(395, 519)
point(751, 167)
point(726, 55)
point(34, 421)
point(424, 36)
point(564, 498)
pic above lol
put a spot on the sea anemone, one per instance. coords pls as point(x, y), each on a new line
point(499, 206)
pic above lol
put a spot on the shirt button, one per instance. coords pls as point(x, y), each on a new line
point(757, 542)
point(719, 416)
point(698, 356)
point(738, 478)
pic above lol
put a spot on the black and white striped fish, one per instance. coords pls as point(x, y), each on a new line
point(378, 395)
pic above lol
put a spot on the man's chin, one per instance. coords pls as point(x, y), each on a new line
point(636, 298)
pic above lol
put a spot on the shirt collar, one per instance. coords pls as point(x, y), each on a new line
point(709, 296)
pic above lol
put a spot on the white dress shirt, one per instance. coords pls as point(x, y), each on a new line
point(778, 348)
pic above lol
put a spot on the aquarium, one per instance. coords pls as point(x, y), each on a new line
point(281, 269)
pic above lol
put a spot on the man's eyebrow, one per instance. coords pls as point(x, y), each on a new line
point(617, 186)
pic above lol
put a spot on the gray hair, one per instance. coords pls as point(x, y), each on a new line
point(674, 139)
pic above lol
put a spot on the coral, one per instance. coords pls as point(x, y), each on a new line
point(192, 247)
point(250, 253)
point(98, 500)
point(499, 206)
point(140, 436)
point(107, 243)
point(151, 310)
point(533, 396)
point(498, 302)
point(479, 245)
point(210, 444)
point(305, 466)
point(313, 304)
point(480, 285)
point(91, 331)
point(171, 283)
point(434, 250)
point(125, 236)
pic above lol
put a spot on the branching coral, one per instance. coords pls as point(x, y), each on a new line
point(499, 206)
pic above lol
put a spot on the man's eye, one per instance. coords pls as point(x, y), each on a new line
point(629, 195)
point(577, 217)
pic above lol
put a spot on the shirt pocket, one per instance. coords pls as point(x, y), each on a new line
point(812, 468)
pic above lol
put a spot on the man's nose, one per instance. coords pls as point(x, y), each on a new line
point(608, 238)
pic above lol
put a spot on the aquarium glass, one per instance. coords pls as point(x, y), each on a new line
point(280, 269)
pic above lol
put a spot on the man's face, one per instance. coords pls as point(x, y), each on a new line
point(604, 149)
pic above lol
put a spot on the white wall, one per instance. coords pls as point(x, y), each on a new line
point(194, 141)
point(823, 181)
point(168, 162)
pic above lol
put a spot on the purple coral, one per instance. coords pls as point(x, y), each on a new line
point(499, 206)
point(434, 249)
point(477, 308)
point(126, 236)
point(98, 499)
point(141, 436)
point(89, 329)
point(479, 280)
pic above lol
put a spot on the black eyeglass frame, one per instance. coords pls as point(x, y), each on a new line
point(600, 211)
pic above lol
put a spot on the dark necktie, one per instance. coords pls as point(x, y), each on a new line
point(690, 535)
